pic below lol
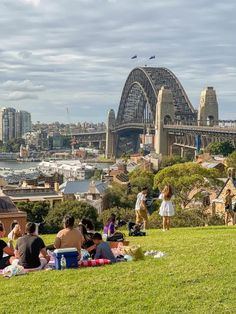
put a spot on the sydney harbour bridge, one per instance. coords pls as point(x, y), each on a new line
point(154, 100)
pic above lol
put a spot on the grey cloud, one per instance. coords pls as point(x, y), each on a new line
point(81, 50)
point(15, 96)
point(25, 85)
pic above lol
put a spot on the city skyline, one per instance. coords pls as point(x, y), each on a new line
point(56, 56)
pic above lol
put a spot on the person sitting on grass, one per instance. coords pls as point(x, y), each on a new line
point(88, 243)
point(15, 233)
point(88, 225)
point(103, 249)
point(5, 249)
point(30, 249)
point(109, 228)
point(69, 237)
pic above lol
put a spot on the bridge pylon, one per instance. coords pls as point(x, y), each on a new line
point(165, 114)
point(110, 135)
point(208, 114)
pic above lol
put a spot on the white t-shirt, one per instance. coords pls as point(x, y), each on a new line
point(140, 197)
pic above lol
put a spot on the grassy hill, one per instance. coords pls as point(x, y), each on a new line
point(197, 276)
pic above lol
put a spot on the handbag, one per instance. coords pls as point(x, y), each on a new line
point(133, 250)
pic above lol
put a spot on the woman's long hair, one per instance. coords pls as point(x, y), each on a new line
point(167, 192)
point(84, 232)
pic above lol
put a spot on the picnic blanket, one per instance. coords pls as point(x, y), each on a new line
point(94, 262)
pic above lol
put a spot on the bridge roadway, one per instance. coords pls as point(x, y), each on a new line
point(177, 128)
point(173, 128)
point(203, 130)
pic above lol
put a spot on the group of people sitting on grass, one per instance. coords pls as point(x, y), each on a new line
point(31, 252)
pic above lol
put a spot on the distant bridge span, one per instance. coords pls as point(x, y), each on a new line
point(154, 99)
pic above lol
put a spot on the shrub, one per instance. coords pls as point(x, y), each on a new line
point(187, 218)
point(121, 213)
point(77, 209)
point(155, 221)
point(216, 220)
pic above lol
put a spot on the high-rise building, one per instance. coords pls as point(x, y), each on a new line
point(26, 124)
point(13, 124)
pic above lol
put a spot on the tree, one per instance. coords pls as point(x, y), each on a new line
point(78, 210)
point(36, 211)
point(221, 148)
point(184, 178)
point(125, 196)
point(141, 178)
point(125, 214)
point(97, 174)
point(171, 160)
point(231, 160)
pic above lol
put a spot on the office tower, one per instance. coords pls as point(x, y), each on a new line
point(13, 124)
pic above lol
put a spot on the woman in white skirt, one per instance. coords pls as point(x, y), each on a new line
point(167, 209)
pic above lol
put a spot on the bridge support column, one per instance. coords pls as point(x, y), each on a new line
point(208, 109)
point(110, 136)
point(164, 114)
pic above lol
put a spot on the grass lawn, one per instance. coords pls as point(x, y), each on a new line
point(197, 276)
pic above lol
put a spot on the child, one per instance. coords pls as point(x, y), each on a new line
point(103, 249)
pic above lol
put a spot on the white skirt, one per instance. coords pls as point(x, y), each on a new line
point(167, 209)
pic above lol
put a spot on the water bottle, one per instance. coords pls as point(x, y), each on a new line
point(104, 236)
point(63, 262)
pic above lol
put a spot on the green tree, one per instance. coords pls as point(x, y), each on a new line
point(119, 196)
point(171, 160)
point(221, 148)
point(123, 197)
point(36, 211)
point(125, 214)
point(97, 174)
point(184, 178)
point(231, 160)
point(141, 178)
point(77, 209)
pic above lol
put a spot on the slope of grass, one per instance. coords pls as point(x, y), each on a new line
point(197, 276)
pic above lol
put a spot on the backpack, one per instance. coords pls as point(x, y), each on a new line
point(116, 237)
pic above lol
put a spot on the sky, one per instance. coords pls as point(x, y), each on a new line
point(76, 54)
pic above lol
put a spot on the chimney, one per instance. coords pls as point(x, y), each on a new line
point(56, 186)
point(231, 173)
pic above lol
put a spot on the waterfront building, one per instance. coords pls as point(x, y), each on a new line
point(37, 139)
point(70, 169)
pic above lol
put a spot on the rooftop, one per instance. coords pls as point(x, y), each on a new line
point(7, 206)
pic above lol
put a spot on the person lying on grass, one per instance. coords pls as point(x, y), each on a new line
point(4, 248)
point(30, 250)
point(103, 249)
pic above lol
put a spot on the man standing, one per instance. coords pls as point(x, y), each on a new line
point(141, 208)
point(31, 250)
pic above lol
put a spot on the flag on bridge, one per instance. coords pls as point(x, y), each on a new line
point(152, 57)
point(134, 57)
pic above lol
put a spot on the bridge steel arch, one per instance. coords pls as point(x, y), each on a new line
point(140, 94)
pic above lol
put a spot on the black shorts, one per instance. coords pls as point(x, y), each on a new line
point(4, 262)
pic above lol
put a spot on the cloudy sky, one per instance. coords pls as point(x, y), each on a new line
point(77, 53)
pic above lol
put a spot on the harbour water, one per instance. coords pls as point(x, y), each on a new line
point(17, 165)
